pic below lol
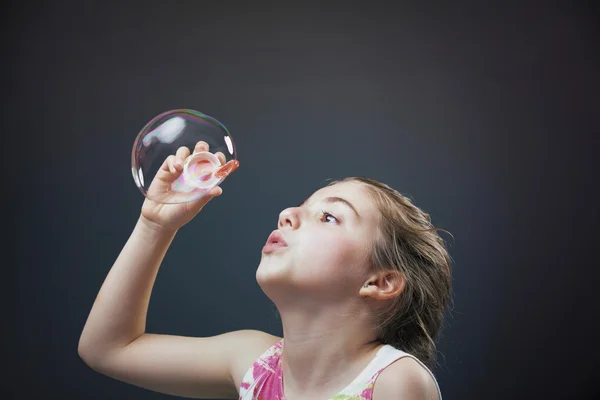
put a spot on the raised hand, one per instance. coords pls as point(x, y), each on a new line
point(174, 216)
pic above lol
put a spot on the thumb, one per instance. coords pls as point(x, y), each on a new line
point(216, 191)
point(197, 205)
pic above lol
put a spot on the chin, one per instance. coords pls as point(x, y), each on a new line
point(275, 281)
point(269, 273)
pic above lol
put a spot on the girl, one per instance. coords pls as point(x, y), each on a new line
point(360, 278)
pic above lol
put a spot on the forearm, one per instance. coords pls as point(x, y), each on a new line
point(118, 315)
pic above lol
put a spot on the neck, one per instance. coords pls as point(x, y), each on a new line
point(325, 350)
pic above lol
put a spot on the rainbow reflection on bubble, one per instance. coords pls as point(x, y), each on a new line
point(162, 136)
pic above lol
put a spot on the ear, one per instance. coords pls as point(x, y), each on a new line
point(384, 286)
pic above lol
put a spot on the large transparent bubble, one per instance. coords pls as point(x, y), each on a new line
point(202, 170)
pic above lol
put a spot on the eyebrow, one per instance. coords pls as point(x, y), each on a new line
point(335, 199)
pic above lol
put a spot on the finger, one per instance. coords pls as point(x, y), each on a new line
point(221, 157)
point(171, 164)
point(216, 191)
point(165, 165)
point(197, 205)
point(166, 171)
point(180, 156)
point(201, 146)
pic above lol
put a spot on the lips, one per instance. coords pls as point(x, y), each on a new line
point(276, 238)
point(274, 242)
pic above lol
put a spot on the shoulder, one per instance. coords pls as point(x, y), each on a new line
point(248, 346)
point(407, 379)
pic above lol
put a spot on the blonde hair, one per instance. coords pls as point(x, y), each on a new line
point(410, 245)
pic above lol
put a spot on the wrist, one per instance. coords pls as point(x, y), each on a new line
point(153, 228)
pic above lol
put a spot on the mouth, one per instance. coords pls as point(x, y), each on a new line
point(274, 242)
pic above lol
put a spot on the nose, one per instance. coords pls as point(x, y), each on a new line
point(289, 218)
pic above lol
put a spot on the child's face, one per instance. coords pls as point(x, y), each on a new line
point(327, 247)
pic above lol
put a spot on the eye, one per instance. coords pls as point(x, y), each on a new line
point(325, 214)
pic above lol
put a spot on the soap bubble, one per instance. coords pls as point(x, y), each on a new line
point(202, 170)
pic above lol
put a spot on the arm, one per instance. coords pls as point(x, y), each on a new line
point(118, 315)
point(113, 341)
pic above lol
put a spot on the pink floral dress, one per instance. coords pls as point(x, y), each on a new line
point(263, 381)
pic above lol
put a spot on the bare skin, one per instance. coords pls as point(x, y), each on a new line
point(317, 283)
point(328, 339)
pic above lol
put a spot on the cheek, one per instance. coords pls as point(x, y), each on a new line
point(327, 252)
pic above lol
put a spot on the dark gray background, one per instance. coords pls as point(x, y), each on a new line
point(486, 116)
